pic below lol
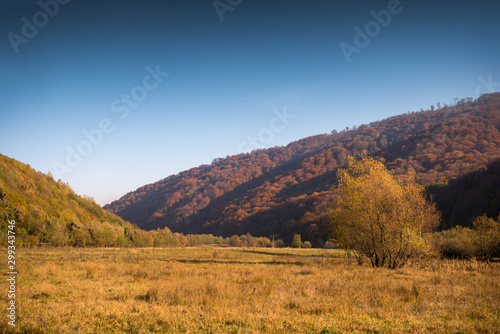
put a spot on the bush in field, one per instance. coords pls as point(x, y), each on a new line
point(264, 242)
point(279, 243)
point(330, 245)
point(482, 241)
point(77, 238)
point(486, 237)
point(248, 241)
point(455, 242)
point(306, 244)
point(381, 217)
point(234, 241)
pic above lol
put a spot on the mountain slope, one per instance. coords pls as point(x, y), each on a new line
point(285, 190)
point(462, 199)
point(50, 212)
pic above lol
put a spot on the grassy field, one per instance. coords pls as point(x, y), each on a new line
point(254, 290)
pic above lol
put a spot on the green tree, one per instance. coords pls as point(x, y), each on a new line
point(279, 243)
point(306, 244)
point(486, 237)
point(381, 217)
point(77, 238)
point(56, 233)
point(297, 241)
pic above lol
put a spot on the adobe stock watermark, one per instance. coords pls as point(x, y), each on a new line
point(372, 29)
point(486, 85)
point(223, 6)
point(121, 107)
point(277, 124)
point(11, 272)
point(30, 28)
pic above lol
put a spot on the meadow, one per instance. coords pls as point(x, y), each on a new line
point(245, 290)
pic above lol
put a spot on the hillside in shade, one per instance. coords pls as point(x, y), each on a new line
point(286, 190)
point(462, 199)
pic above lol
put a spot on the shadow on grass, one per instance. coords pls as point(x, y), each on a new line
point(289, 254)
point(194, 261)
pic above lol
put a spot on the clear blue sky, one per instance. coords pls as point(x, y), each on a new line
point(227, 79)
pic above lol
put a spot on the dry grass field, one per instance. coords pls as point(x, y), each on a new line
point(254, 290)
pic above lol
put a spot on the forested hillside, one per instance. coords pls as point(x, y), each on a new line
point(50, 212)
point(285, 190)
point(462, 199)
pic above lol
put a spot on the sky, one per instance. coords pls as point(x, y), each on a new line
point(111, 95)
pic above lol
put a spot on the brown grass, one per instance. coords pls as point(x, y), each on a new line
point(231, 290)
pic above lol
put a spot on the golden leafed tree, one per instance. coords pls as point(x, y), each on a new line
point(379, 216)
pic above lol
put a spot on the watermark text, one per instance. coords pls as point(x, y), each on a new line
point(12, 273)
point(30, 28)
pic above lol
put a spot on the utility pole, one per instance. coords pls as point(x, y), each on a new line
point(273, 235)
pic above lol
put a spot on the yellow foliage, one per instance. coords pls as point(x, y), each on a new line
point(379, 216)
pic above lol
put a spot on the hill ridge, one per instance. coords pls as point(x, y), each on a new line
point(287, 187)
point(49, 212)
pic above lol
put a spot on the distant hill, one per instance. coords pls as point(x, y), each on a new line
point(50, 212)
point(285, 190)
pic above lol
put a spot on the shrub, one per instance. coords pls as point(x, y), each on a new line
point(486, 237)
point(77, 238)
point(234, 241)
point(279, 243)
point(330, 245)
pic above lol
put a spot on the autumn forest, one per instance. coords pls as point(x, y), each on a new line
point(286, 190)
point(269, 197)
